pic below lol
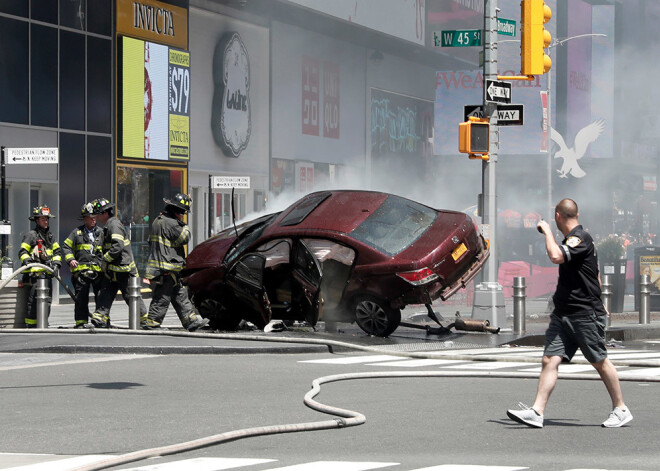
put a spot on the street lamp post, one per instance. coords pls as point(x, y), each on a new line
point(557, 42)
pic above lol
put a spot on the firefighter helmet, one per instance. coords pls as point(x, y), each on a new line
point(40, 211)
point(180, 201)
point(102, 205)
point(87, 210)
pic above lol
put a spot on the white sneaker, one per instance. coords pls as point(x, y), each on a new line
point(526, 416)
point(618, 418)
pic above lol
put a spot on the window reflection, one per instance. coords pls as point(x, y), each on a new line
point(140, 201)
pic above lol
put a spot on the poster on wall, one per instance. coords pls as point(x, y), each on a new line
point(155, 101)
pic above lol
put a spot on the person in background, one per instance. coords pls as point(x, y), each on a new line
point(167, 257)
point(578, 319)
point(39, 246)
point(82, 251)
point(117, 263)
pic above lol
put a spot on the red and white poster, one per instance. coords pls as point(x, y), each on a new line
point(330, 100)
point(310, 96)
point(544, 136)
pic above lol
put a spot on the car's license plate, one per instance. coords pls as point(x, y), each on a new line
point(458, 251)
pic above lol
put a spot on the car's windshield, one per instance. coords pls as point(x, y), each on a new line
point(395, 225)
point(247, 234)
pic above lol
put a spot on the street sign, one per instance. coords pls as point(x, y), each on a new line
point(507, 115)
point(457, 38)
point(32, 155)
point(498, 91)
point(506, 27)
point(230, 182)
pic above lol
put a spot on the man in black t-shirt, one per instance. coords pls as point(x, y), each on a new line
point(578, 319)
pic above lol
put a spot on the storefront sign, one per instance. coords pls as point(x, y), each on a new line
point(230, 119)
point(154, 21)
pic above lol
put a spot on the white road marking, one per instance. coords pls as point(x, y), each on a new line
point(65, 464)
point(415, 363)
point(489, 365)
point(17, 361)
point(335, 466)
point(353, 359)
point(202, 464)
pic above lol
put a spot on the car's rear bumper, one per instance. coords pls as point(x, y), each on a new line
point(463, 281)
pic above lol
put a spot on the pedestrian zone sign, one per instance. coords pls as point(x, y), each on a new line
point(32, 155)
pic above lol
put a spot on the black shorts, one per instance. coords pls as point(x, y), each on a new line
point(586, 331)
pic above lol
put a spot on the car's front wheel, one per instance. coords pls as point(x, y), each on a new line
point(219, 317)
point(375, 317)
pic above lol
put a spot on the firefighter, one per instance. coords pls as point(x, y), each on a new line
point(39, 246)
point(167, 257)
point(117, 263)
point(83, 250)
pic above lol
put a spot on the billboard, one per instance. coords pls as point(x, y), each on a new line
point(154, 101)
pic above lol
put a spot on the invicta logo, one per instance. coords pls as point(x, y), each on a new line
point(154, 19)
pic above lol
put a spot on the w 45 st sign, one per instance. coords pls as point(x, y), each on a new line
point(457, 38)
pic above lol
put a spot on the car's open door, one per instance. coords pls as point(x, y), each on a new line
point(246, 281)
point(306, 281)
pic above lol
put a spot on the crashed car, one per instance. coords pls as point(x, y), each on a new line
point(343, 256)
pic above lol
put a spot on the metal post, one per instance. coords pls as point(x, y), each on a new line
point(134, 297)
point(519, 305)
point(42, 303)
point(489, 296)
point(606, 297)
point(3, 208)
point(645, 299)
point(210, 213)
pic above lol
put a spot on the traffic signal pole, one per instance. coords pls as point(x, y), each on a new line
point(489, 296)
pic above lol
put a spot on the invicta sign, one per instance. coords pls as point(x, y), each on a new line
point(150, 18)
point(154, 21)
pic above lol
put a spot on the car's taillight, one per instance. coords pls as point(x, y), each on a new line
point(418, 277)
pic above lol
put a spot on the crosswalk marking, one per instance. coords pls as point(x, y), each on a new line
point(202, 464)
point(564, 369)
point(639, 372)
point(65, 464)
point(415, 363)
point(353, 360)
point(246, 464)
point(489, 365)
point(335, 466)
point(468, 467)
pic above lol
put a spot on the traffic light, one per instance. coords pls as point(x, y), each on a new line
point(474, 136)
point(534, 37)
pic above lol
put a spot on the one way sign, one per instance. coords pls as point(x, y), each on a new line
point(498, 91)
point(507, 115)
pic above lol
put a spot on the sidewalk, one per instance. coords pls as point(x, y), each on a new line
point(60, 337)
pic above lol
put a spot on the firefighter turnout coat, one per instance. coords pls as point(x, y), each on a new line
point(117, 251)
point(30, 251)
point(166, 246)
point(87, 252)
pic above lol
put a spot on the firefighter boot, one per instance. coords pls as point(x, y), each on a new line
point(100, 320)
point(147, 323)
point(195, 322)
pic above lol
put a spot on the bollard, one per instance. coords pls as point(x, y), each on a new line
point(519, 305)
point(42, 303)
point(645, 299)
point(606, 297)
point(134, 296)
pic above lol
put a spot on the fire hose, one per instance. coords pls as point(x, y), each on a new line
point(55, 274)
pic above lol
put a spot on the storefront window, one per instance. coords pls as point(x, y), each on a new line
point(140, 193)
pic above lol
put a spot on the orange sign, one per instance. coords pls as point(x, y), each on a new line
point(154, 21)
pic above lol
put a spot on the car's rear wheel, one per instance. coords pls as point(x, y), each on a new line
point(375, 317)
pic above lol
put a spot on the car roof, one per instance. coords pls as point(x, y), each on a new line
point(338, 210)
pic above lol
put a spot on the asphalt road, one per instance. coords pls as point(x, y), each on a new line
point(74, 405)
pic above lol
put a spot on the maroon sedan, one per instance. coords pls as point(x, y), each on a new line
point(343, 256)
